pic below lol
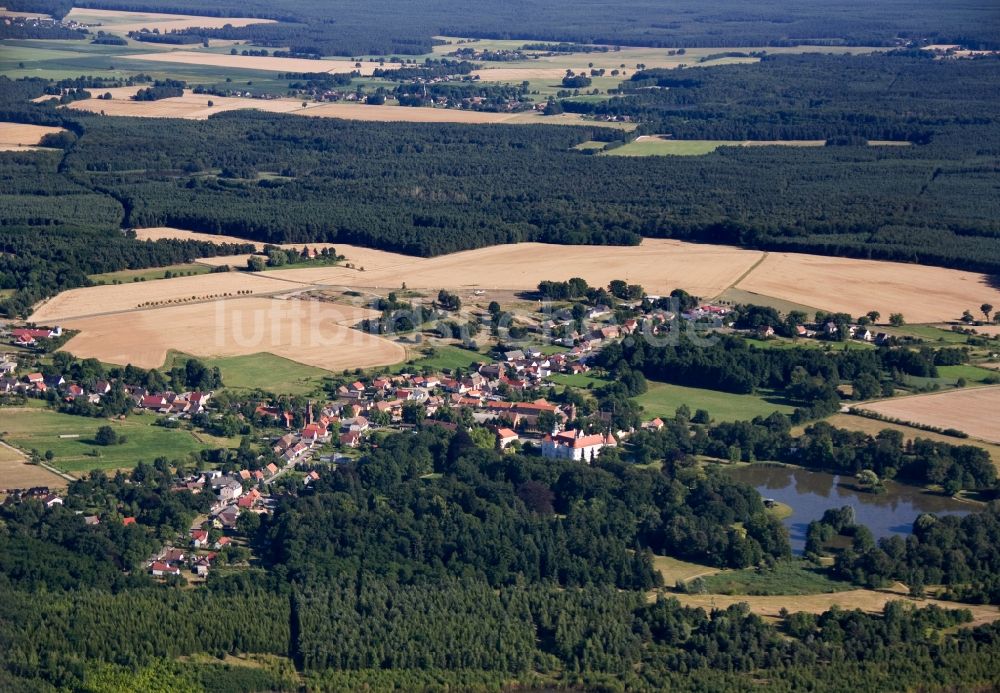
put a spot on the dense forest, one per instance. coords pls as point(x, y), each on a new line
point(434, 560)
point(386, 27)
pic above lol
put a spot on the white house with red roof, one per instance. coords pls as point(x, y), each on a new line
point(576, 445)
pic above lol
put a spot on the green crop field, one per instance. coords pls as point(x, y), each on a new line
point(444, 358)
point(264, 371)
point(658, 147)
point(126, 276)
point(41, 429)
point(662, 400)
point(788, 577)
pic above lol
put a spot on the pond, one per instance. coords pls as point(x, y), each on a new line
point(810, 494)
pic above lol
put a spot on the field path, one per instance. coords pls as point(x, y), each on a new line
point(746, 274)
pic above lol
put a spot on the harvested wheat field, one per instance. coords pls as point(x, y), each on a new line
point(975, 411)
point(922, 294)
point(660, 265)
point(15, 472)
point(190, 106)
point(193, 106)
point(310, 332)
point(872, 601)
point(124, 22)
point(410, 114)
point(368, 258)
point(17, 137)
point(872, 427)
point(117, 298)
point(260, 62)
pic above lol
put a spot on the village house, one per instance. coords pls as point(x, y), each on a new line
point(505, 437)
point(161, 569)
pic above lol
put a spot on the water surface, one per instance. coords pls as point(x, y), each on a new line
point(810, 494)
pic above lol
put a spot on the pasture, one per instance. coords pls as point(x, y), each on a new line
point(262, 371)
point(313, 333)
point(141, 275)
point(972, 410)
point(41, 429)
point(790, 578)
point(662, 400)
point(655, 145)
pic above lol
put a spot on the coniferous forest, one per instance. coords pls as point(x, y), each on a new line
point(492, 570)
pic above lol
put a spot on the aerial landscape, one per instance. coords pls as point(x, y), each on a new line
point(524, 346)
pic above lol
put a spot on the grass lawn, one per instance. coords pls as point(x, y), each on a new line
point(148, 274)
point(663, 400)
point(928, 333)
point(658, 147)
point(263, 370)
point(972, 374)
point(590, 144)
point(788, 577)
point(580, 380)
point(445, 357)
point(41, 429)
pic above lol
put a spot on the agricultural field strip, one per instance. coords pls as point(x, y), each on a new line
point(830, 283)
point(193, 106)
point(122, 22)
point(975, 411)
point(20, 137)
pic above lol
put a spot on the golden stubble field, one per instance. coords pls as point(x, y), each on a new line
point(975, 411)
point(311, 332)
point(921, 293)
point(15, 472)
point(16, 137)
point(122, 22)
point(660, 265)
point(260, 62)
point(871, 601)
point(193, 106)
point(120, 298)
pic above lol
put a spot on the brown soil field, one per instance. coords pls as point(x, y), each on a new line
point(309, 332)
point(19, 137)
point(254, 62)
point(873, 426)
point(872, 601)
point(16, 473)
point(975, 411)
point(922, 294)
point(119, 298)
point(659, 265)
point(123, 22)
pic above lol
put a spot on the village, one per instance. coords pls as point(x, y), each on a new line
point(503, 397)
